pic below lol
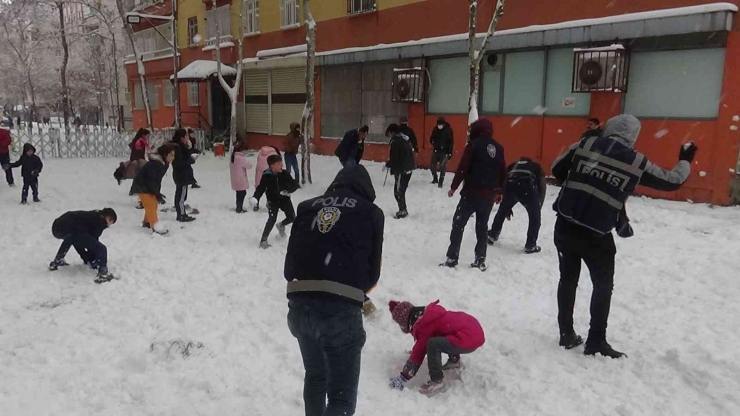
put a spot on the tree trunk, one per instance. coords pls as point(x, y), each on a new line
point(139, 64)
point(63, 69)
point(117, 112)
point(308, 110)
point(233, 92)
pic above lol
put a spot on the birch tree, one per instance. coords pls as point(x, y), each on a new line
point(139, 63)
point(231, 91)
point(476, 55)
point(65, 60)
point(308, 110)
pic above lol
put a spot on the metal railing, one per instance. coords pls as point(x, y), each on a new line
point(360, 6)
point(211, 43)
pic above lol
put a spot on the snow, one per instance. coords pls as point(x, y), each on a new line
point(661, 133)
point(702, 174)
point(288, 50)
point(311, 23)
point(473, 115)
point(614, 47)
point(201, 69)
point(197, 323)
point(221, 45)
point(539, 110)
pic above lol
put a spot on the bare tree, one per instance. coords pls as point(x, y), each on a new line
point(65, 61)
point(476, 55)
point(233, 92)
point(308, 110)
point(139, 63)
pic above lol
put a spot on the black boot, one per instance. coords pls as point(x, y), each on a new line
point(570, 341)
point(532, 250)
point(604, 349)
point(451, 263)
point(480, 264)
point(435, 181)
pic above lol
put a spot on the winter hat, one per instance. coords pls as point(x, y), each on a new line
point(481, 128)
point(441, 120)
point(400, 312)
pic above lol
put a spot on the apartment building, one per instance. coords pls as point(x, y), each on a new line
point(675, 64)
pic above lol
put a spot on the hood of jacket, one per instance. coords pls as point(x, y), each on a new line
point(27, 147)
point(356, 179)
point(157, 157)
point(267, 151)
point(623, 128)
point(294, 128)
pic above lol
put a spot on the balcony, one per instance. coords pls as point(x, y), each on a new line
point(360, 6)
point(226, 42)
point(150, 56)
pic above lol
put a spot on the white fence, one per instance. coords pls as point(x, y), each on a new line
point(55, 143)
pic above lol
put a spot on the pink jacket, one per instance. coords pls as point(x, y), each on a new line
point(461, 329)
point(265, 152)
point(239, 172)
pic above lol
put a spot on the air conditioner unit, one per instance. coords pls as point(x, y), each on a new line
point(600, 69)
point(409, 85)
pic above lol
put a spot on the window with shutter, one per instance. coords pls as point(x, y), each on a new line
point(257, 101)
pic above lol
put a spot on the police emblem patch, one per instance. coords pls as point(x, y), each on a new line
point(328, 216)
point(491, 150)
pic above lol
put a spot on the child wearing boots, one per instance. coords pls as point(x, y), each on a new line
point(277, 184)
point(148, 184)
point(31, 166)
point(436, 331)
point(239, 170)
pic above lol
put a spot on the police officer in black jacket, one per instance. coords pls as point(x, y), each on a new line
point(333, 260)
point(598, 174)
point(525, 184)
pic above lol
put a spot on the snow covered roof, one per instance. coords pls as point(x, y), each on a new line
point(201, 70)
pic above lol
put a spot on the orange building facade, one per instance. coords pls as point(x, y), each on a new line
point(683, 80)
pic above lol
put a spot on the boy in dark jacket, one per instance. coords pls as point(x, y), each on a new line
point(277, 184)
point(401, 165)
point(148, 184)
point(352, 147)
point(408, 131)
point(82, 229)
point(182, 173)
point(31, 166)
point(443, 143)
point(333, 261)
point(291, 146)
point(436, 331)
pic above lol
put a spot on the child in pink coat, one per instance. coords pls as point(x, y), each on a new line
point(265, 152)
point(239, 175)
point(436, 331)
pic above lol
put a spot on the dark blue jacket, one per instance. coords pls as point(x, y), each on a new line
point(31, 166)
point(350, 146)
point(149, 178)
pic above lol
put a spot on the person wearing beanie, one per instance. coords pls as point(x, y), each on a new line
point(443, 143)
point(408, 132)
point(82, 230)
point(435, 331)
point(483, 169)
point(31, 166)
point(332, 263)
point(148, 186)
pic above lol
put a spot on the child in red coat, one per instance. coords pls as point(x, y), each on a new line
point(436, 331)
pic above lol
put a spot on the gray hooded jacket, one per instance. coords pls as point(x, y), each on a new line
point(599, 173)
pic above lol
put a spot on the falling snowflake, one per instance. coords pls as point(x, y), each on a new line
point(516, 121)
point(702, 174)
point(733, 128)
point(560, 131)
point(327, 259)
point(539, 110)
point(661, 133)
point(732, 170)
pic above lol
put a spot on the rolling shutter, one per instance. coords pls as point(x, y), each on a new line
point(288, 98)
point(256, 86)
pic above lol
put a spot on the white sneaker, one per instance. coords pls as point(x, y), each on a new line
point(433, 388)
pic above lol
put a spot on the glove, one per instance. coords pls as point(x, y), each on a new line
point(397, 383)
point(624, 229)
point(284, 193)
point(687, 152)
point(161, 199)
point(34, 173)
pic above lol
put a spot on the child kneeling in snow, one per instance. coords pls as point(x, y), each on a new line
point(435, 331)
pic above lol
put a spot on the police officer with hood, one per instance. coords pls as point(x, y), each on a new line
point(597, 175)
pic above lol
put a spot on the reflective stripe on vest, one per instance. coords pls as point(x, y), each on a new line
point(328, 287)
point(578, 186)
point(520, 172)
point(586, 152)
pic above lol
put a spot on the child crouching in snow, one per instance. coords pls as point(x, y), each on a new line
point(148, 184)
point(435, 331)
point(239, 175)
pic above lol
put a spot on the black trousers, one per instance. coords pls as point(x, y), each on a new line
point(440, 158)
point(575, 243)
point(273, 208)
point(524, 192)
point(465, 209)
point(87, 246)
point(5, 160)
point(402, 184)
point(181, 195)
point(30, 182)
point(435, 347)
point(240, 195)
point(330, 336)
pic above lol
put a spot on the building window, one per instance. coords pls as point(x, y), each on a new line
point(559, 98)
point(193, 94)
point(152, 90)
point(448, 93)
point(168, 89)
point(273, 99)
point(523, 82)
point(360, 6)
point(253, 17)
point(678, 84)
point(288, 13)
point(223, 16)
point(192, 30)
point(490, 93)
point(138, 96)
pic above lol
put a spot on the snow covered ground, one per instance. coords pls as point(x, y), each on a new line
point(71, 347)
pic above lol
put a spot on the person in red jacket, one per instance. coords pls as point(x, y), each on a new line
point(436, 330)
point(5, 142)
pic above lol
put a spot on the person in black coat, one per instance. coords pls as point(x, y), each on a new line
point(82, 230)
point(31, 166)
point(443, 142)
point(352, 147)
point(525, 184)
point(593, 129)
point(409, 132)
point(182, 173)
point(333, 261)
point(277, 184)
point(401, 165)
point(148, 185)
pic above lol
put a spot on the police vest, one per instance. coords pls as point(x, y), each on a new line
point(603, 173)
point(486, 164)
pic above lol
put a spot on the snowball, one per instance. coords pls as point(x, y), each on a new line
point(733, 128)
point(735, 118)
point(560, 130)
point(702, 174)
point(539, 110)
point(661, 133)
point(732, 170)
point(516, 121)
